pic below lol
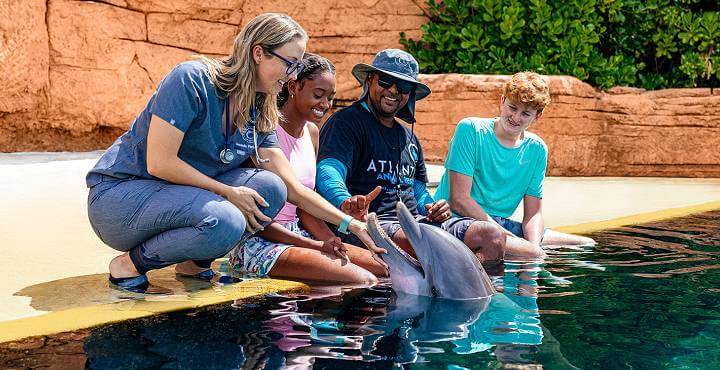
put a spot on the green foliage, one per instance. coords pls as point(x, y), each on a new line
point(648, 43)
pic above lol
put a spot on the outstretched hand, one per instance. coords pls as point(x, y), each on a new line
point(357, 205)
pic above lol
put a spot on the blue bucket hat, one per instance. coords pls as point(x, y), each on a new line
point(399, 64)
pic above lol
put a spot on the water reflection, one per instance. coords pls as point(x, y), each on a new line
point(329, 323)
point(397, 329)
point(87, 290)
point(651, 306)
point(412, 321)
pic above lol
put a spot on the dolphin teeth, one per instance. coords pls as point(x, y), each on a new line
point(372, 217)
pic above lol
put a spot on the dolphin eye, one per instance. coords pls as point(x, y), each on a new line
point(434, 291)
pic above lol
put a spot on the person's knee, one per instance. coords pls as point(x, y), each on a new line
point(271, 187)
point(497, 241)
point(486, 239)
point(224, 226)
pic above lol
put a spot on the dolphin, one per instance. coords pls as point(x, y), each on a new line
point(445, 267)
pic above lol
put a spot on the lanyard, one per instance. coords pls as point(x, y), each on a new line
point(227, 155)
point(227, 123)
point(399, 162)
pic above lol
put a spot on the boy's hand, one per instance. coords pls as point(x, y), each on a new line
point(357, 205)
point(335, 247)
point(438, 211)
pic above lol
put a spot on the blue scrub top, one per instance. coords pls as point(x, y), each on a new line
point(188, 100)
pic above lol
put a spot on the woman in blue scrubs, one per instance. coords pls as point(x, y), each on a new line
point(171, 190)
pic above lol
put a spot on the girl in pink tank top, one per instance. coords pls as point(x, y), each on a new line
point(300, 151)
point(297, 245)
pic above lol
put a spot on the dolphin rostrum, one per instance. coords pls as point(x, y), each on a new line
point(444, 267)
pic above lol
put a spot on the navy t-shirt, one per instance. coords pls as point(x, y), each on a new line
point(188, 100)
point(374, 155)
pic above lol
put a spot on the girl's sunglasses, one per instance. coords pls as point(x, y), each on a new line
point(292, 67)
point(386, 81)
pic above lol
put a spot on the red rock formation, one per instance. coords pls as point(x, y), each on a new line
point(74, 75)
point(23, 56)
point(621, 132)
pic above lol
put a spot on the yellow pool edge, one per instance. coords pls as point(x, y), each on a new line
point(639, 218)
point(91, 316)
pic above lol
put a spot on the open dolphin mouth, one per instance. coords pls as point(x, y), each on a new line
point(383, 240)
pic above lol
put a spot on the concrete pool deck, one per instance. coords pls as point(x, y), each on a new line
point(55, 269)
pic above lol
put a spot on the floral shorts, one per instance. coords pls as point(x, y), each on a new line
point(257, 256)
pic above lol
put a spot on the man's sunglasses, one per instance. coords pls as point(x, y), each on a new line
point(386, 81)
point(292, 67)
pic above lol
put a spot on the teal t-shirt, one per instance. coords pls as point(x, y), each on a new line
point(501, 176)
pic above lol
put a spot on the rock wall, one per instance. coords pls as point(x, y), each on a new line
point(621, 132)
point(75, 73)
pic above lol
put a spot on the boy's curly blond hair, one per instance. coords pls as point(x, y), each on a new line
point(528, 88)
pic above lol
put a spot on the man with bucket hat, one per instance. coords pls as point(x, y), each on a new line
point(368, 160)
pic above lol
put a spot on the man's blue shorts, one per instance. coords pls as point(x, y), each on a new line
point(514, 226)
point(456, 226)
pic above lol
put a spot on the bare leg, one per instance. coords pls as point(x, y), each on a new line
point(521, 248)
point(401, 241)
point(363, 258)
point(486, 240)
point(310, 264)
point(492, 268)
point(553, 237)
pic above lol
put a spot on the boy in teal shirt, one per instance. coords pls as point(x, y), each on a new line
point(494, 163)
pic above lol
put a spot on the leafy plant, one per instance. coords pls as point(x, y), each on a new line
point(648, 43)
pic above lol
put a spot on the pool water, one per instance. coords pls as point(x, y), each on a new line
point(646, 297)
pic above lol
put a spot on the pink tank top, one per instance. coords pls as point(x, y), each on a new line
point(301, 154)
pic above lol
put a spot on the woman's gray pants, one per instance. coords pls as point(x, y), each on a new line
point(161, 223)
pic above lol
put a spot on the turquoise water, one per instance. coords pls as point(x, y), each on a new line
point(646, 297)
